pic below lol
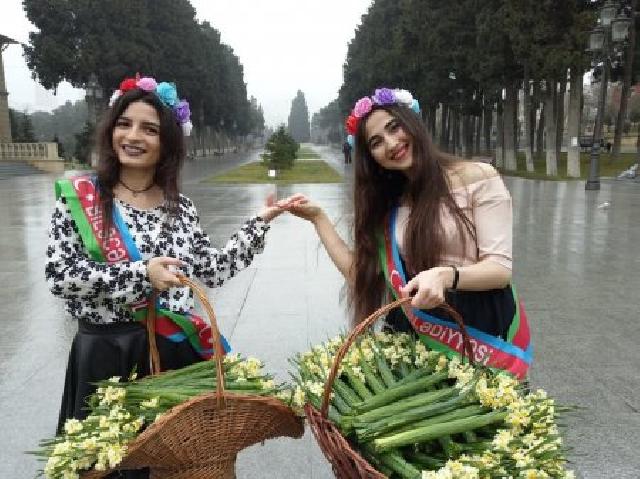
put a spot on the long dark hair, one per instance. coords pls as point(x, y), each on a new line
point(377, 190)
point(172, 153)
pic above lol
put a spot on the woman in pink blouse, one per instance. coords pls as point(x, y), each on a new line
point(428, 225)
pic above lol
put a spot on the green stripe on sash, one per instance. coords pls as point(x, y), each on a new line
point(65, 189)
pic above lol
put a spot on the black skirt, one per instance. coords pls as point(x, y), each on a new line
point(491, 311)
point(99, 352)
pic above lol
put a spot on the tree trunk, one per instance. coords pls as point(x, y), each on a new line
point(560, 114)
point(551, 127)
point(444, 113)
point(573, 125)
point(499, 162)
point(431, 116)
point(638, 151)
point(626, 85)
point(540, 129)
point(487, 124)
point(476, 148)
point(508, 129)
point(528, 146)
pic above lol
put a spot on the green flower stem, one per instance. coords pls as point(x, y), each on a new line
point(400, 406)
point(404, 369)
point(392, 423)
point(356, 383)
point(395, 393)
point(461, 413)
point(348, 394)
point(376, 385)
point(385, 371)
point(437, 430)
point(394, 461)
point(425, 461)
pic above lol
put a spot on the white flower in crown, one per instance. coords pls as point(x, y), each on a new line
point(186, 128)
point(116, 94)
point(404, 97)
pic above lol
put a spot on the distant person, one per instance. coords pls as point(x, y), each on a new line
point(608, 147)
point(346, 149)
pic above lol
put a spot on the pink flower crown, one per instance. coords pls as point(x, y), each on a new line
point(167, 94)
point(382, 96)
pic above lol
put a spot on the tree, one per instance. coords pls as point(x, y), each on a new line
point(280, 150)
point(21, 127)
point(118, 38)
point(298, 125)
point(84, 143)
point(61, 152)
point(328, 123)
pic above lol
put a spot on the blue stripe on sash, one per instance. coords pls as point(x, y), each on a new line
point(494, 341)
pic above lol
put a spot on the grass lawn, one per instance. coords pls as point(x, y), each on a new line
point(607, 167)
point(308, 171)
point(307, 153)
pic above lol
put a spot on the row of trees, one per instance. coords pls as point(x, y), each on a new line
point(159, 38)
point(470, 61)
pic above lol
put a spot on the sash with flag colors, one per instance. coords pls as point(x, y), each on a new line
point(83, 202)
point(513, 355)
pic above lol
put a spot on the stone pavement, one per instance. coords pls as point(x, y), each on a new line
point(577, 268)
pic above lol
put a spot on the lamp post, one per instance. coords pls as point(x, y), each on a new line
point(612, 31)
point(93, 96)
point(220, 135)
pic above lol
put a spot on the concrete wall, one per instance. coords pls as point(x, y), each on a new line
point(28, 151)
point(43, 156)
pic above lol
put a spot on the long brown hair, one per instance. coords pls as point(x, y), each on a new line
point(377, 190)
point(172, 153)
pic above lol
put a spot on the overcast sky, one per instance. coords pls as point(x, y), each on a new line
point(284, 45)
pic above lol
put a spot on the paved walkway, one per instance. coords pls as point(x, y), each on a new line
point(577, 266)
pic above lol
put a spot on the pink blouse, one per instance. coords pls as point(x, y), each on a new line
point(487, 203)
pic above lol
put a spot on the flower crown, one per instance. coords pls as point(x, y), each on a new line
point(382, 96)
point(167, 94)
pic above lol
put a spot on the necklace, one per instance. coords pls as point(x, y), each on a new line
point(136, 192)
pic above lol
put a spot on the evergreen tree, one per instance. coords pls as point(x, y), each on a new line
point(84, 144)
point(280, 150)
point(21, 127)
point(298, 125)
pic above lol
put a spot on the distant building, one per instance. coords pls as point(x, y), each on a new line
point(5, 125)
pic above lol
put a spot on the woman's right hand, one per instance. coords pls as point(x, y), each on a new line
point(160, 276)
point(303, 208)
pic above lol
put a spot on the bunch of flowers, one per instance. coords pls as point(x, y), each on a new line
point(382, 96)
point(165, 91)
point(120, 410)
point(415, 413)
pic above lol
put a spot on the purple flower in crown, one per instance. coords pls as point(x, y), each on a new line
point(182, 111)
point(384, 96)
point(363, 106)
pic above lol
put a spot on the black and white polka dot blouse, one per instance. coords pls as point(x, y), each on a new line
point(102, 293)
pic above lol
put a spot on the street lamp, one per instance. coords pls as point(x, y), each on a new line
point(612, 30)
point(93, 97)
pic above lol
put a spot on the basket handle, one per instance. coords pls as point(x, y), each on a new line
point(363, 325)
point(216, 340)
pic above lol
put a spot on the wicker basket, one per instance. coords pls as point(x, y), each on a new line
point(201, 437)
point(346, 462)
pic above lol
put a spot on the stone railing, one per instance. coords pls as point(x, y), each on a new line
point(43, 156)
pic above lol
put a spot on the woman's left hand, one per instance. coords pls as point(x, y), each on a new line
point(273, 208)
point(429, 287)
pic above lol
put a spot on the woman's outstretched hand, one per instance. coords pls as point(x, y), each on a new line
point(303, 208)
point(273, 208)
